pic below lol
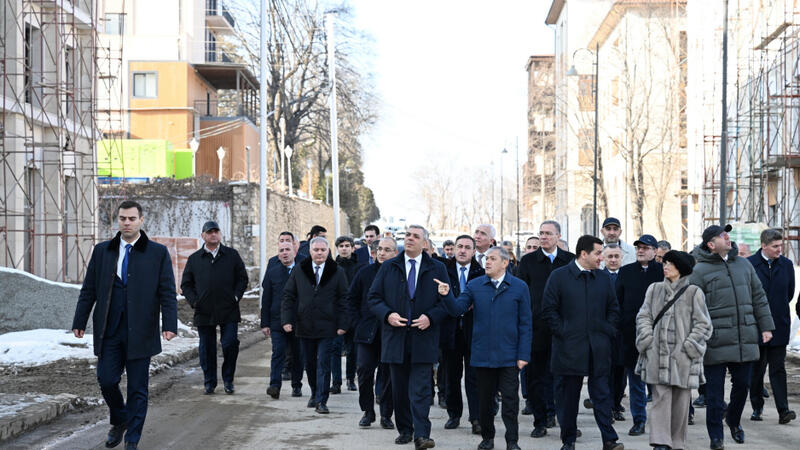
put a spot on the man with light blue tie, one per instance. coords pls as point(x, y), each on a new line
point(128, 282)
point(405, 298)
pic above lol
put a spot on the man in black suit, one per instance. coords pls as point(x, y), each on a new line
point(457, 339)
point(535, 269)
point(580, 308)
point(405, 298)
point(371, 233)
point(632, 284)
point(125, 319)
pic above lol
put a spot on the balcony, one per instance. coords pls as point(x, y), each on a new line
point(218, 17)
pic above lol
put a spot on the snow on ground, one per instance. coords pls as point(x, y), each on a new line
point(39, 279)
point(43, 346)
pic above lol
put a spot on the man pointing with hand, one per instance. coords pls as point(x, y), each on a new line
point(404, 295)
point(501, 340)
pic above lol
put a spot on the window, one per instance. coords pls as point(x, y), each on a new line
point(115, 23)
point(145, 84)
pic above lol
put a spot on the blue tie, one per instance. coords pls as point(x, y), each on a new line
point(412, 278)
point(552, 257)
point(462, 279)
point(125, 261)
point(496, 283)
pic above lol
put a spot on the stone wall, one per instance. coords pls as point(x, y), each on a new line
point(176, 209)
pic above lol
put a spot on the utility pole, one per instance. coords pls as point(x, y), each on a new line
point(516, 147)
point(723, 145)
point(262, 153)
point(502, 219)
point(329, 18)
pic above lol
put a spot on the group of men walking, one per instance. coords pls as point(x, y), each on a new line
point(548, 323)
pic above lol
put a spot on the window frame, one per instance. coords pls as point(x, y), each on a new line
point(133, 83)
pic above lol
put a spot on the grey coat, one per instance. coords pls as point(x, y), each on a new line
point(736, 303)
point(671, 354)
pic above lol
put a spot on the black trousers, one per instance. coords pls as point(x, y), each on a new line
point(505, 380)
point(369, 359)
point(457, 361)
point(568, 395)
point(411, 393)
point(540, 387)
point(617, 383)
point(775, 358)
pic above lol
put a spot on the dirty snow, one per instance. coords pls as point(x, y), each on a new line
point(39, 279)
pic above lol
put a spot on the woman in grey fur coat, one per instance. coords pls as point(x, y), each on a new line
point(671, 349)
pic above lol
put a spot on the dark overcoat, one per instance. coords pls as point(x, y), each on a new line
point(214, 286)
point(777, 280)
point(316, 312)
point(272, 296)
point(451, 324)
point(582, 312)
point(366, 325)
point(150, 292)
point(389, 293)
point(534, 269)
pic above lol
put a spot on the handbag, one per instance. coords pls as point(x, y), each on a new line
point(669, 305)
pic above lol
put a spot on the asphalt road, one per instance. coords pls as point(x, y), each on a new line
point(181, 417)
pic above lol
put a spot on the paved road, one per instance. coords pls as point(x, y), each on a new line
point(182, 418)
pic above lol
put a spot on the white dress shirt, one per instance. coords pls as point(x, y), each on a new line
point(580, 267)
point(555, 253)
point(418, 260)
point(321, 269)
point(121, 257)
point(213, 253)
point(499, 280)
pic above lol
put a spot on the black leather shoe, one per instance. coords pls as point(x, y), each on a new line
point(578, 433)
point(717, 444)
point(700, 401)
point(649, 397)
point(274, 392)
point(311, 403)
point(321, 409)
point(618, 416)
point(764, 392)
point(539, 432)
point(228, 388)
point(386, 423)
point(131, 445)
point(208, 390)
point(403, 439)
point(452, 423)
point(336, 389)
point(297, 392)
point(527, 411)
point(570, 446)
point(476, 427)
point(367, 419)
point(757, 415)
point(691, 419)
point(512, 446)
point(422, 442)
point(588, 403)
point(637, 429)
point(737, 433)
point(613, 445)
point(442, 403)
point(786, 417)
point(551, 422)
point(486, 444)
point(351, 385)
point(115, 435)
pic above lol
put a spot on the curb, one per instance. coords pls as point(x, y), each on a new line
point(43, 411)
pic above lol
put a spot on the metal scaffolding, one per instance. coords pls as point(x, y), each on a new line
point(763, 176)
point(48, 131)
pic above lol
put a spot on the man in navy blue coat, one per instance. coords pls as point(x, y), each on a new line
point(501, 340)
point(285, 345)
point(457, 338)
point(367, 336)
point(632, 283)
point(405, 298)
point(125, 319)
point(581, 310)
point(776, 273)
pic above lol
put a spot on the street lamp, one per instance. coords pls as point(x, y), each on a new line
point(221, 156)
point(287, 151)
point(573, 72)
point(308, 166)
point(194, 144)
point(502, 209)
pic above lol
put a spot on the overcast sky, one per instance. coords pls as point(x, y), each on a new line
point(452, 84)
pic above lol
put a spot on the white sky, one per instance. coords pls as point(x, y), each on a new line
point(452, 81)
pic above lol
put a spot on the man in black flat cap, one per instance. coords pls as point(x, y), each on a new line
point(214, 280)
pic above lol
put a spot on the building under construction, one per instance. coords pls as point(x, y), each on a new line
point(48, 130)
point(763, 115)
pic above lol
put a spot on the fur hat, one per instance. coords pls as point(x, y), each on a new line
point(682, 261)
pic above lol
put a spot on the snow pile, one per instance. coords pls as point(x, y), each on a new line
point(43, 346)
